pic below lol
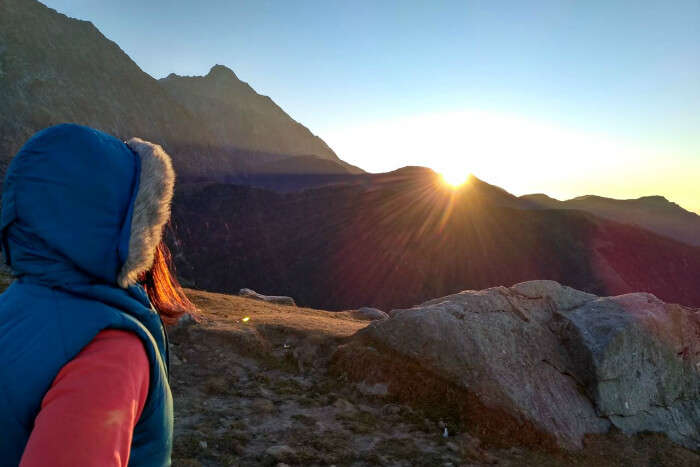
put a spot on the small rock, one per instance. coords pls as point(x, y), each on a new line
point(344, 405)
point(377, 389)
point(370, 314)
point(277, 299)
point(185, 321)
point(281, 453)
point(262, 405)
point(391, 409)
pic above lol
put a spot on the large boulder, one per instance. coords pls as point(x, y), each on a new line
point(539, 363)
point(276, 299)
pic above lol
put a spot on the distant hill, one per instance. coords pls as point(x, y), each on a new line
point(396, 239)
point(56, 69)
point(654, 213)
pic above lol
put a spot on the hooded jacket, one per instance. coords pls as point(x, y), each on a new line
point(82, 213)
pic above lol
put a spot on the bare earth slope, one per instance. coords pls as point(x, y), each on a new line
point(259, 392)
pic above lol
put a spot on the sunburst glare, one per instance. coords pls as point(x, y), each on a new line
point(455, 178)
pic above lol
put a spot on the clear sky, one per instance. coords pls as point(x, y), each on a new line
point(561, 97)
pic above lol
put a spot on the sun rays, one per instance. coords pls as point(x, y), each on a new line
point(455, 178)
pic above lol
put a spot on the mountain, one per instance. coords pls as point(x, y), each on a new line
point(396, 239)
point(238, 116)
point(264, 203)
point(57, 69)
point(654, 213)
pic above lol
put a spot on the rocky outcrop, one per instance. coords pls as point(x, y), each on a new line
point(540, 363)
point(242, 397)
point(277, 299)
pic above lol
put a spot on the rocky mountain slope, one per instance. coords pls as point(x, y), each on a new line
point(654, 213)
point(262, 384)
point(238, 116)
point(397, 239)
point(56, 69)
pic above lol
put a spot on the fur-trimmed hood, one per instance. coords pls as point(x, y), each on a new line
point(81, 206)
point(151, 208)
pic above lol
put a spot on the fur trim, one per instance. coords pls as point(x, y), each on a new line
point(151, 209)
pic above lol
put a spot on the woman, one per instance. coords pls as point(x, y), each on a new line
point(84, 373)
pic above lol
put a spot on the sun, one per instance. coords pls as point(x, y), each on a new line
point(455, 178)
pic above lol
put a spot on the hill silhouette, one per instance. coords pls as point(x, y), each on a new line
point(397, 239)
point(654, 213)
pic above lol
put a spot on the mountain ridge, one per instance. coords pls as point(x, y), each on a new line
point(391, 240)
point(233, 110)
point(653, 212)
point(56, 69)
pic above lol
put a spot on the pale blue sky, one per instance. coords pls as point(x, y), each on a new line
point(626, 73)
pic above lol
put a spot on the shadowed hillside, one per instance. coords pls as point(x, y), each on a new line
point(236, 115)
point(654, 213)
point(397, 239)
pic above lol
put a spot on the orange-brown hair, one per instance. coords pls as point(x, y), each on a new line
point(163, 288)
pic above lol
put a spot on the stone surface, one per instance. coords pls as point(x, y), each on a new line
point(281, 452)
point(277, 299)
point(370, 314)
point(553, 363)
point(639, 359)
point(186, 320)
point(262, 405)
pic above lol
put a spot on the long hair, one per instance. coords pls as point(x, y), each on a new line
point(163, 288)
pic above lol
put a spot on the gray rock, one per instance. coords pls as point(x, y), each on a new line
point(281, 453)
point(639, 359)
point(277, 299)
point(377, 390)
point(370, 314)
point(547, 361)
point(344, 406)
point(186, 321)
point(261, 405)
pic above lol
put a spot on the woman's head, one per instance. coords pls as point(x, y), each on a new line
point(80, 206)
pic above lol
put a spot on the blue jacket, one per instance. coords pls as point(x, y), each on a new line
point(67, 208)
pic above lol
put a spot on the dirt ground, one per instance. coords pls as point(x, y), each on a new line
point(251, 387)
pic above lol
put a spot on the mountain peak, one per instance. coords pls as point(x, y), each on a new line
point(654, 199)
point(221, 72)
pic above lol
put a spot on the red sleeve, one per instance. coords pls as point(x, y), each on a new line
point(87, 417)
